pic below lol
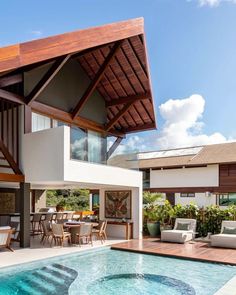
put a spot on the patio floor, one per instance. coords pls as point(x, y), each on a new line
point(192, 250)
point(38, 251)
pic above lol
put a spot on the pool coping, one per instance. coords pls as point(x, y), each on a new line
point(228, 288)
point(171, 256)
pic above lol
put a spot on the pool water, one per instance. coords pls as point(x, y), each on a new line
point(110, 272)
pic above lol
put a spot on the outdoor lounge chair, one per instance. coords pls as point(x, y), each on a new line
point(5, 237)
point(184, 230)
point(227, 236)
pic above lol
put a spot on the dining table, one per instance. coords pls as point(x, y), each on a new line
point(72, 226)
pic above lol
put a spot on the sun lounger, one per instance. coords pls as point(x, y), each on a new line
point(184, 230)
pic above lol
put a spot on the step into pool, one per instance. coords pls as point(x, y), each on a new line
point(109, 272)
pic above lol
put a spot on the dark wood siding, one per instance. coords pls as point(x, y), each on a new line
point(228, 175)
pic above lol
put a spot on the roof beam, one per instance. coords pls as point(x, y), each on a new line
point(10, 80)
point(46, 79)
point(128, 99)
point(114, 147)
point(144, 127)
point(63, 116)
point(11, 96)
point(88, 92)
point(9, 158)
point(115, 119)
point(12, 177)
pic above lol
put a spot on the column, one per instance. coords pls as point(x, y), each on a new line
point(24, 215)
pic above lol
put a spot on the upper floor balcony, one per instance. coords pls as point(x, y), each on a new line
point(59, 157)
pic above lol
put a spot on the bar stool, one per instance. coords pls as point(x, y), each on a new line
point(36, 224)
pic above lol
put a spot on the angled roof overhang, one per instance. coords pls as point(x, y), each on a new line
point(113, 56)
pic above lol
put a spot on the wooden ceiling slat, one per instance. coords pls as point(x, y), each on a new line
point(119, 92)
point(106, 81)
point(120, 77)
point(87, 68)
point(102, 92)
point(138, 81)
point(99, 74)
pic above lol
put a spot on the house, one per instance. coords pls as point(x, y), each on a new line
point(205, 175)
point(61, 97)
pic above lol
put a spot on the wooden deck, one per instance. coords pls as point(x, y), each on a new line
point(193, 250)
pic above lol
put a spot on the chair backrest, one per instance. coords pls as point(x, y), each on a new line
point(59, 215)
point(85, 229)
point(37, 217)
point(15, 225)
point(5, 220)
point(5, 235)
point(46, 226)
point(48, 216)
point(227, 223)
point(57, 229)
point(70, 215)
point(192, 222)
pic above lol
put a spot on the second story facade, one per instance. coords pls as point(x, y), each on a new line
point(205, 175)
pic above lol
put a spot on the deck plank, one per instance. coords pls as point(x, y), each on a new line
point(192, 250)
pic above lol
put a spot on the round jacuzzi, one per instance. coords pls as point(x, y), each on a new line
point(137, 284)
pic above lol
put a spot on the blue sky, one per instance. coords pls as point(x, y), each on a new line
point(191, 46)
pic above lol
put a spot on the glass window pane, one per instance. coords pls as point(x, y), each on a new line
point(96, 148)
point(223, 200)
point(40, 122)
point(78, 143)
point(232, 199)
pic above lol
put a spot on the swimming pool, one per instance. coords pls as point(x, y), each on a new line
point(105, 272)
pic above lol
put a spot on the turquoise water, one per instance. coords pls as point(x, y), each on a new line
point(109, 272)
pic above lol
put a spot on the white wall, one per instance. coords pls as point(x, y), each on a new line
point(42, 155)
point(200, 199)
point(185, 177)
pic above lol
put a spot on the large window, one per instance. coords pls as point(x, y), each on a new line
point(87, 146)
point(40, 122)
point(227, 199)
point(78, 144)
point(146, 178)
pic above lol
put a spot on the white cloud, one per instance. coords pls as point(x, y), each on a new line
point(214, 3)
point(36, 33)
point(183, 127)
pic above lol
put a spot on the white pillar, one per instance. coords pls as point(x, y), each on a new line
point(90, 202)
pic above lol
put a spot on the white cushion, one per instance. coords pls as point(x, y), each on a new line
point(176, 236)
point(223, 240)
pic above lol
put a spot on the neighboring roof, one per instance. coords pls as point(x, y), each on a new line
point(209, 154)
point(126, 79)
point(164, 162)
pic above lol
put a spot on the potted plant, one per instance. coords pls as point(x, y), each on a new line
point(151, 212)
point(60, 207)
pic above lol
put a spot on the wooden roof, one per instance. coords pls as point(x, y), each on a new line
point(113, 56)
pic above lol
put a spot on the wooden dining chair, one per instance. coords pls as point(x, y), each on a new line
point(59, 235)
point(5, 237)
point(36, 228)
point(47, 231)
point(85, 232)
point(100, 232)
